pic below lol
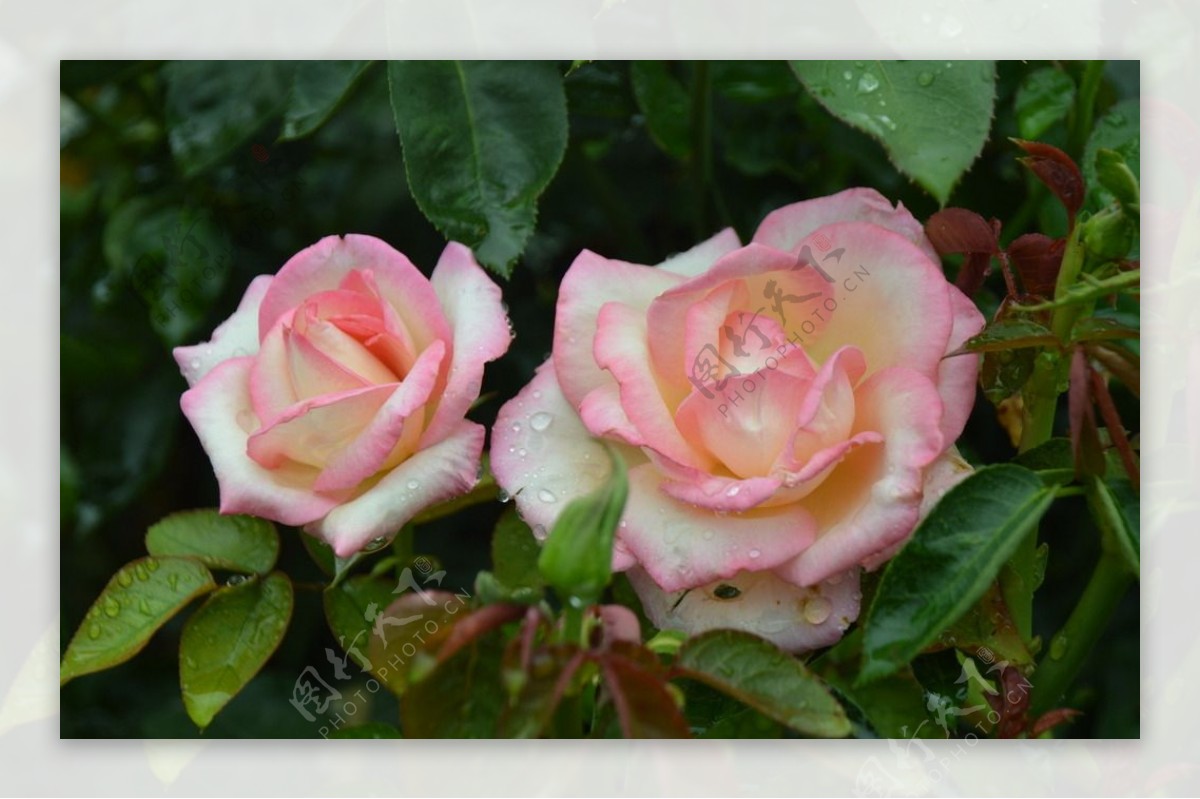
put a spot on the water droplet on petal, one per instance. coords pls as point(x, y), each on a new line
point(733, 491)
point(546, 495)
point(195, 364)
point(375, 543)
point(537, 395)
point(413, 485)
point(817, 610)
point(516, 427)
point(754, 553)
point(540, 421)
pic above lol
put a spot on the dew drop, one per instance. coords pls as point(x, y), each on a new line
point(236, 579)
point(413, 485)
point(140, 572)
point(726, 591)
point(817, 610)
point(847, 75)
point(144, 607)
point(887, 122)
point(537, 395)
point(522, 452)
point(94, 631)
point(540, 421)
point(151, 565)
point(503, 495)
point(546, 495)
point(539, 531)
point(867, 83)
point(124, 578)
point(173, 581)
point(754, 553)
point(195, 364)
point(733, 491)
point(112, 608)
point(925, 79)
point(1058, 647)
point(516, 427)
point(375, 543)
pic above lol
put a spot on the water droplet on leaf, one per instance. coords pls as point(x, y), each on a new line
point(925, 79)
point(867, 83)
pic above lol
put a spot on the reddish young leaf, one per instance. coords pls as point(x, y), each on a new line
point(1060, 174)
point(476, 624)
point(1122, 363)
point(1051, 719)
point(1085, 437)
point(957, 230)
point(1037, 259)
point(1116, 430)
point(644, 706)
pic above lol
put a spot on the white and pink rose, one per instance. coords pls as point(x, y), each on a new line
point(785, 409)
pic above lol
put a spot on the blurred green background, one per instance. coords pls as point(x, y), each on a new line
point(158, 242)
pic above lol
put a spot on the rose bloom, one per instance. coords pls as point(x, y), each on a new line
point(335, 395)
point(784, 409)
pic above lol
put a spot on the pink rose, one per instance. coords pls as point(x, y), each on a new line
point(784, 410)
point(335, 395)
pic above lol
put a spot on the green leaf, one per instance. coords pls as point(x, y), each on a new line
point(953, 556)
point(666, 105)
point(712, 714)
point(349, 611)
point(577, 556)
point(932, 117)
point(481, 140)
point(1004, 372)
point(756, 672)
point(370, 729)
point(1118, 130)
point(1099, 328)
point(644, 705)
point(320, 552)
point(894, 706)
point(1115, 176)
point(1053, 460)
point(175, 259)
point(139, 599)
point(212, 107)
point(1117, 509)
point(515, 553)
point(227, 641)
point(237, 543)
point(318, 88)
point(1044, 97)
point(461, 698)
point(1009, 334)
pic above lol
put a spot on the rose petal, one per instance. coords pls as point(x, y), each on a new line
point(392, 434)
point(788, 226)
point(314, 430)
point(793, 618)
point(473, 306)
point(893, 302)
point(956, 376)
point(236, 337)
point(621, 348)
point(220, 411)
point(447, 469)
point(590, 282)
point(324, 265)
point(872, 500)
point(682, 546)
point(943, 474)
point(543, 456)
point(698, 259)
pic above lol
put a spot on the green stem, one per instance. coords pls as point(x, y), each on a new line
point(1041, 402)
point(1071, 645)
point(1080, 124)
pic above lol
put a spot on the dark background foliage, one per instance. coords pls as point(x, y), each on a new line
point(158, 243)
